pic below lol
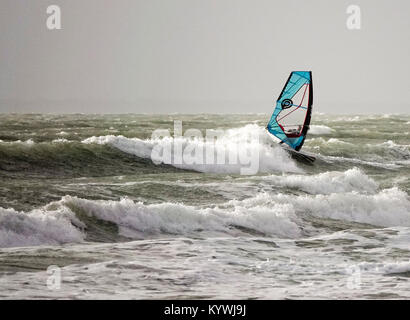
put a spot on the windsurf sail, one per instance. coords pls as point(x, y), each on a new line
point(291, 118)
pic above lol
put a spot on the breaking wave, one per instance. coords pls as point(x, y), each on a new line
point(327, 182)
point(38, 227)
point(368, 152)
point(252, 138)
point(387, 208)
point(248, 147)
point(280, 215)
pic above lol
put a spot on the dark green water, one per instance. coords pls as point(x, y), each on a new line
point(81, 192)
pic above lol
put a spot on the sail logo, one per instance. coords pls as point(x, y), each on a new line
point(354, 20)
point(215, 148)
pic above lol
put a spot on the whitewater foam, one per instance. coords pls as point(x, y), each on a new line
point(28, 142)
point(60, 140)
point(385, 268)
point(136, 219)
point(327, 182)
point(397, 150)
point(387, 208)
point(38, 227)
point(322, 141)
point(319, 130)
point(276, 215)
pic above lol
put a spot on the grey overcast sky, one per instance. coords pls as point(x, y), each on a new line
point(230, 56)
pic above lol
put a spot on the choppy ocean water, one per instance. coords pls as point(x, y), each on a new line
point(80, 192)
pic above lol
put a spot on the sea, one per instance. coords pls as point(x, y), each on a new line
point(86, 212)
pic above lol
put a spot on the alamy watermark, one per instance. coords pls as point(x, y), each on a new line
point(53, 21)
point(54, 277)
point(354, 19)
point(214, 148)
point(353, 22)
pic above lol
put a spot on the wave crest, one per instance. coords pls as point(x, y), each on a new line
point(38, 227)
point(319, 130)
point(271, 157)
point(328, 182)
point(281, 215)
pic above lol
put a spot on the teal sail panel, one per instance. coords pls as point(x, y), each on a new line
point(291, 118)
